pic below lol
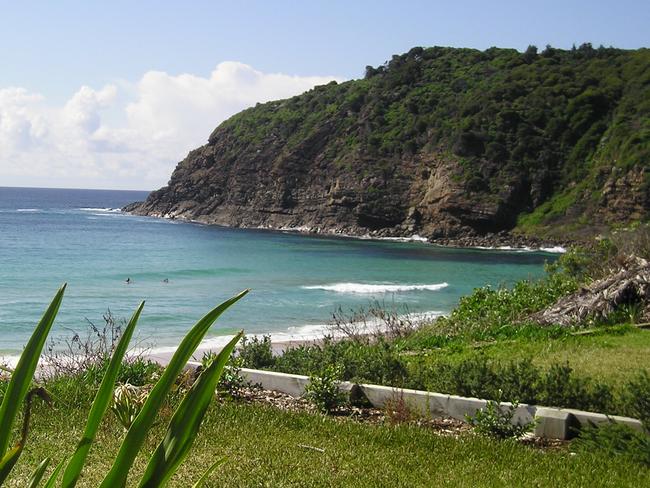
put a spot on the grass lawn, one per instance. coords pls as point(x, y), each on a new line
point(613, 355)
point(263, 448)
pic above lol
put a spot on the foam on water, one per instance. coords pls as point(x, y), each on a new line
point(369, 288)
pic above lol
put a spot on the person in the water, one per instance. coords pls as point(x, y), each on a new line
point(166, 280)
point(128, 281)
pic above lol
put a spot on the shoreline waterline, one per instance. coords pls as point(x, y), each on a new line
point(550, 248)
point(280, 340)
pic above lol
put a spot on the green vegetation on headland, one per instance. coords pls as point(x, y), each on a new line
point(443, 142)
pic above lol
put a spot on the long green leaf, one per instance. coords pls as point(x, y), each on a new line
point(135, 437)
point(24, 372)
point(100, 404)
point(38, 473)
point(51, 482)
point(208, 472)
point(9, 461)
point(185, 423)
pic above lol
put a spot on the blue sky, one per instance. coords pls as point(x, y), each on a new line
point(85, 87)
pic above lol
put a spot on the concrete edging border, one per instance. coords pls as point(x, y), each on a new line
point(552, 423)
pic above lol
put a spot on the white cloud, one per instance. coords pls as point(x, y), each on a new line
point(129, 136)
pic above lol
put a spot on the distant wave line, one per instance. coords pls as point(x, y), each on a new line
point(101, 209)
point(363, 288)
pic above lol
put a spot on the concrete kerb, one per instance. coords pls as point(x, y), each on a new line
point(552, 423)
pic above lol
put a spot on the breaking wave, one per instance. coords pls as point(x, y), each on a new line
point(363, 288)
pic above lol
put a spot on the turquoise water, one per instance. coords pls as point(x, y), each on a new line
point(48, 237)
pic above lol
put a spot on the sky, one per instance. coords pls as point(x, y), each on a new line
point(114, 94)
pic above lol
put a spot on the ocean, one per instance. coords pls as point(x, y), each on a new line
point(181, 270)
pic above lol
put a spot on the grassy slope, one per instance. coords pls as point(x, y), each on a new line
point(262, 446)
point(613, 355)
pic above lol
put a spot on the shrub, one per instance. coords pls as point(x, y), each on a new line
point(561, 388)
point(323, 389)
point(496, 420)
point(637, 393)
point(377, 362)
point(614, 440)
point(478, 376)
point(231, 381)
point(501, 313)
point(256, 352)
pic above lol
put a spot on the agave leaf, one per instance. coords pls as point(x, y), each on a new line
point(38, 473)
point(9, 461)
point(100, 404)
point(11, 457)
point(55, 475)
point(135, 437)
point(208, 472)
point(185, 423)
point(24, 372)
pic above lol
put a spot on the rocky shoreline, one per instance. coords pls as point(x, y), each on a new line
point(503, 240)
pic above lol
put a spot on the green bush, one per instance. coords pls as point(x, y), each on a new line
point(376, 362)
point(323, 389)
point(231, 381)
point(614, 440)
point(496, 420)
point(637, 396)
point(256, 352)
point(501, 313)
point(561, 388)
point(478, 376)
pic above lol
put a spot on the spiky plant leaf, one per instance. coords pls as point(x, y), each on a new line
point(51, 482)
point(208, 472)
point(24, 371)
point(100, 404)
point(185, 423)
point(8, 461)
point(38, 473)
point(135, 437)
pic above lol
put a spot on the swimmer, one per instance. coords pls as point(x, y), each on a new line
point(128, 281)
point(166, 280)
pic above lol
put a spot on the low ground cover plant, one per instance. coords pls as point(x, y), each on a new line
point(614, 440)
point(496, 420)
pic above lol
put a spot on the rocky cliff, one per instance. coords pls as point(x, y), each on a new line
point(438, 142)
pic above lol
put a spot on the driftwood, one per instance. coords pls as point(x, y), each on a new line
point(630, 285)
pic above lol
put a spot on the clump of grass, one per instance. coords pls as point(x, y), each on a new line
point(398, 411)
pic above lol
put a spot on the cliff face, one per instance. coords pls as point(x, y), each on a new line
point(438, 142)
